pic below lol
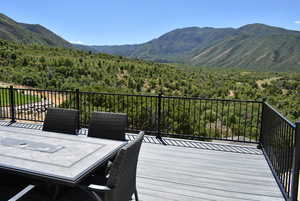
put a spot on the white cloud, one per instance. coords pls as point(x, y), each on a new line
point(77, 42)
point(297, 22)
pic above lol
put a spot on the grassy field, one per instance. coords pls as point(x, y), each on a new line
point(19, 98)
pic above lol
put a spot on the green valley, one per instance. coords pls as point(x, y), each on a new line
point(64, 68)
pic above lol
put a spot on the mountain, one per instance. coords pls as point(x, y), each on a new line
point(257, 46)
point(271, 53)
point(175, 46)
point(29, 33)
point(253, 46)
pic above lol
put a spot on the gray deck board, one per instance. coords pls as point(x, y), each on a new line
point(177, 173)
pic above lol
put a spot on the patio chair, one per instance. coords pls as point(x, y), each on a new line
point(61, 120)
point(108, 125)
point(120, 183)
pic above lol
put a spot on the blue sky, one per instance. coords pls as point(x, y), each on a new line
point(114, 22)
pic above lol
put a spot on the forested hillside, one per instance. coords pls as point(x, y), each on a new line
point(62, 68)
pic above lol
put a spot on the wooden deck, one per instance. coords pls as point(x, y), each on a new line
point(178, 173)
point(186, 170)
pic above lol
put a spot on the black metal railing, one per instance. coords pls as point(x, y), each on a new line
point(280, 144)
point(190, 118)
point(183, 117)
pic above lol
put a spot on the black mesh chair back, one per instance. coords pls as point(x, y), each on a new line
point(108, 125)
point(61, 120)
point(122, 176)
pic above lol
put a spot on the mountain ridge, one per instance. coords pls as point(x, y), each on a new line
point(29, 33)
point(232, 47)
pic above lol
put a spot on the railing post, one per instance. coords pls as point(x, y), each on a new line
point(77, 99)
point(158, 134)
point(12, 104)
point(263, 124)
point(296, 164)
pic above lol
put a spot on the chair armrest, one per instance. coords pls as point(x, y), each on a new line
point(22, 193)
point(141, 132)
point(99, 188)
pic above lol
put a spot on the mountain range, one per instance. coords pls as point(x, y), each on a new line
point(253, 46)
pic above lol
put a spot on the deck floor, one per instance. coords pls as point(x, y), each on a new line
point(177, 173)
point(186, 170)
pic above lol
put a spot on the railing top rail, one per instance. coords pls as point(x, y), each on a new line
point(139, 95)
point(40, 90)
point(280, 115)
point(213, 99)
point(118, 94)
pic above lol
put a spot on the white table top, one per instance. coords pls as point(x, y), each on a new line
point(73, 159)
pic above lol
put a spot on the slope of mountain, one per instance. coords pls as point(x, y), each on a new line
point(29, 33)
point(174, 46)
point(253, 46)
point(257, 47)
point(274, 53)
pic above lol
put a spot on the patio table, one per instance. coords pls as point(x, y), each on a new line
point(53, 157)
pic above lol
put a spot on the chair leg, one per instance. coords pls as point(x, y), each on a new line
point(96, 196)
point(92, 194)
point(56, 193)
point(136, 195)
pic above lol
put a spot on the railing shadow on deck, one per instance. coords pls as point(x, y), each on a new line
point(242, 149)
